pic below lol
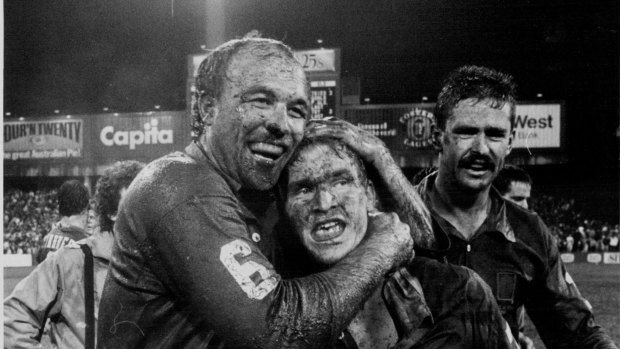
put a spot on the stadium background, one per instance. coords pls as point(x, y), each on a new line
point(110, 69)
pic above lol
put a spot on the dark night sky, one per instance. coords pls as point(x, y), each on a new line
point(129, 55)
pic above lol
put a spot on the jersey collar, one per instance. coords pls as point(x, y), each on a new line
point(495, 221)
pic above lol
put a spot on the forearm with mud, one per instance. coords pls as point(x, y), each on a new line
point(409, 205)
point(313, 311)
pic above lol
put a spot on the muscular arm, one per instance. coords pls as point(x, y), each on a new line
point(409, 205)
point(202, 253)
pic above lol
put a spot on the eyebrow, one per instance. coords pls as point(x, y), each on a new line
point(258, 89)
point(305, 182)
point(472, 128)
point(269, 93)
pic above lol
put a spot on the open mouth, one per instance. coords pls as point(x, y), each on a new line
point(328, 230)
point(266, 152)
point(478, 166)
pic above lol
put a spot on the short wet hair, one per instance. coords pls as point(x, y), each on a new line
point(108, 190)
point(212, 72)
point(341, 149)
point(73, 198)
point(509, 174)
point(479, 83)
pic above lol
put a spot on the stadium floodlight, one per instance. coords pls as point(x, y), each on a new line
point(539, 95)
point(21, 118)
point(56, 111)
point(424, 98)
point(68, 116)
point(157, 106)
point(8, 113)
point(106, 108)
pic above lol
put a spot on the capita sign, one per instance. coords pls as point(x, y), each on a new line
point(147, 135)
point(138, 136)
point(43, 139)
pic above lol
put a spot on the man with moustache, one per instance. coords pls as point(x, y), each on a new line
point(508, 246)
point(511, 248)
point(328, 198)
point(190, 266)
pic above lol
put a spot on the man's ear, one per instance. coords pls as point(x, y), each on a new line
point(511, 138)
point(371, 195)
point(436, 137)
point(207, 110)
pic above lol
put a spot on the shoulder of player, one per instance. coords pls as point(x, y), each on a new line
point(68, 256)
point(527, 225)
point(73, 232)
point(175, 178)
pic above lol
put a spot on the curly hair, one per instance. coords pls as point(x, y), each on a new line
point(73, 198)
point(479, 83)
point(108, 190)
point(212, 72)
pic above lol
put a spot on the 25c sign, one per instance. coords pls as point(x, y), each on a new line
point(317, 60)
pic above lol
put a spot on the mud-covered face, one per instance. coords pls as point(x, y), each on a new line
point(259, 118)
point(327, 202)
point(519, 193)
point(474, 145)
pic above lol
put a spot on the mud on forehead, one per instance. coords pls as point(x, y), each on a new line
point(256, 62)
point(336, 148)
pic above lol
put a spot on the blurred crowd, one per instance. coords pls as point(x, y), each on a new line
point(28, 216)
point(573, 231)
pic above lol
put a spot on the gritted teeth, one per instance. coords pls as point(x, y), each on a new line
point(327, 231)
point(327, 225)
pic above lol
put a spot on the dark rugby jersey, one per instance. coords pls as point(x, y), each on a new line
point(518, 258)
point(187, 270)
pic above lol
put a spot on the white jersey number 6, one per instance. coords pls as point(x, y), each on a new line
point(243, 272)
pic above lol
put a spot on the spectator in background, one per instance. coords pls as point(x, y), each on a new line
point(614, 244)
point(570, 243)
point(514, 184)
point(28, 216)
point(54, 290)
point(93, 219)
point(73, 203)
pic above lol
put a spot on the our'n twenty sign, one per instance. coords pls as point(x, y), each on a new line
point(44, 139)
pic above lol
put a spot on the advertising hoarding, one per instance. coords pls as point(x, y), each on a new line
point(538, 126)
point(323, 98)
point(138, 136)
point(43, 139)
point(408, 127)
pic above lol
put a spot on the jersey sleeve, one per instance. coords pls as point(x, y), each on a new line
point(34, 299)
point(562, 316)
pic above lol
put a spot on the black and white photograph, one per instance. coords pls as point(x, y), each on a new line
point(311, 174)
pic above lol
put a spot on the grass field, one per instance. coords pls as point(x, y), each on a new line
point(600, 284)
